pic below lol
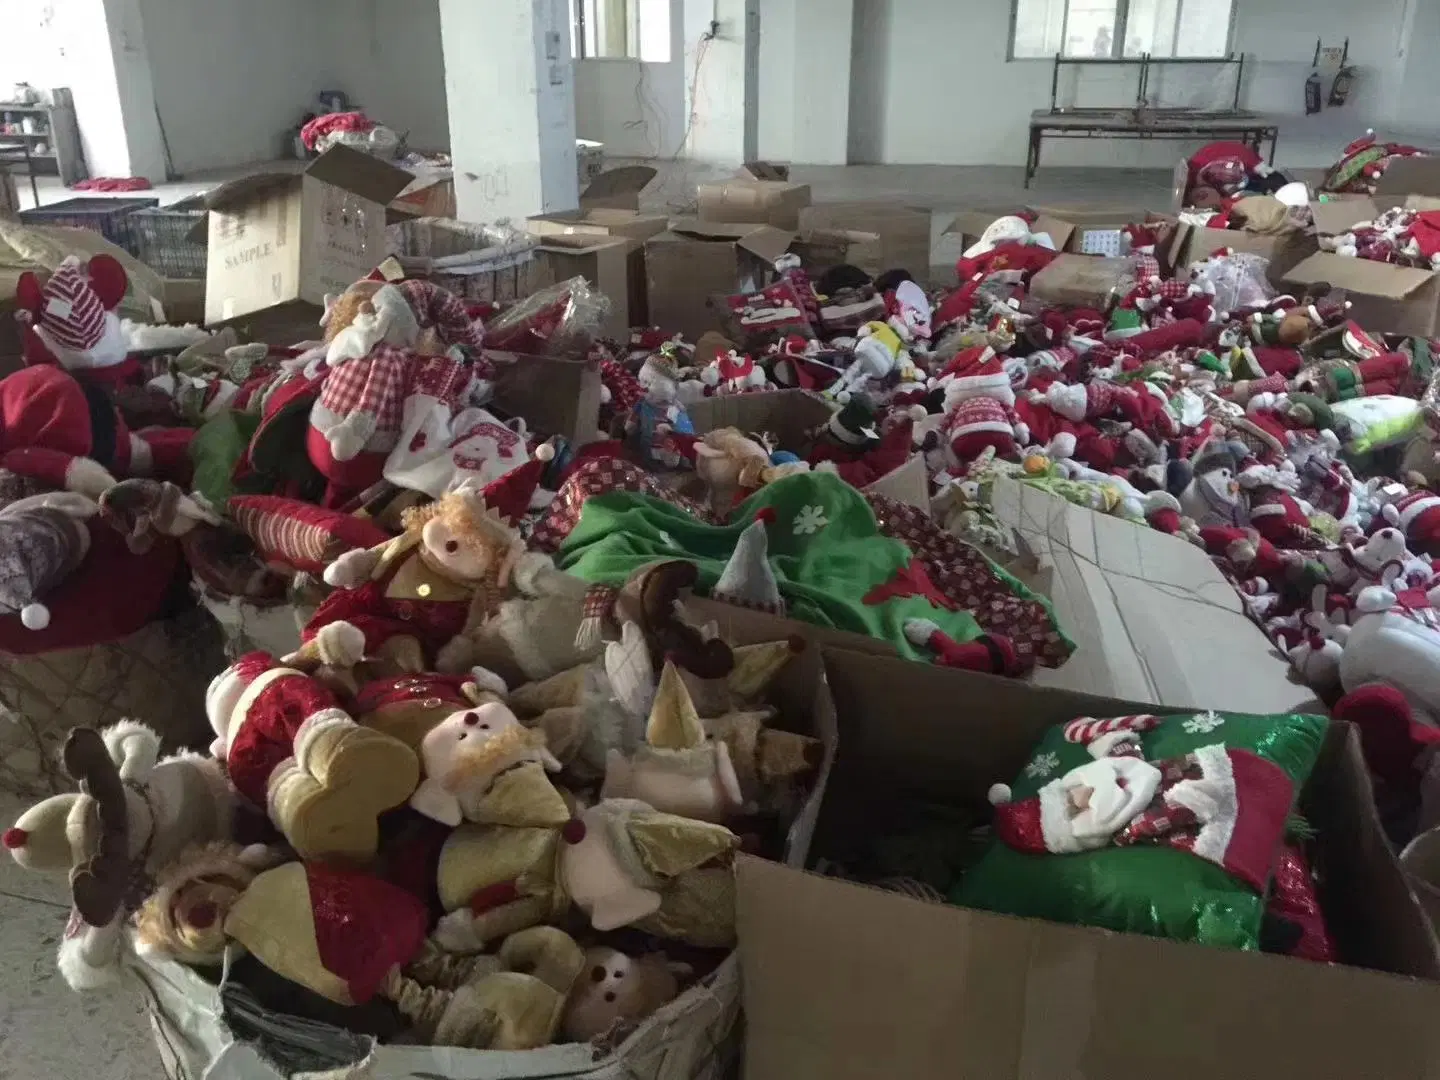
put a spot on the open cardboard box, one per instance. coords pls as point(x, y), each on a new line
point(608, 221)
point(289, 238)
point(904, 231)
point(205, 1031)
point(694, 260)
point(617, 189)
point(747, 200)
point(821, 249)
point(1153, 619)
point(556, 396)
point(843, 980)
point(603, 261)
point(1388, 298)
point(790, 416)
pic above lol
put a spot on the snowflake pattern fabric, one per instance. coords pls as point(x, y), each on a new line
point(810, 520)
point(1042, 766)
point(1203, 723)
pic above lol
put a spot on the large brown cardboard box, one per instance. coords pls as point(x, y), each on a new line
point(821, 249)
point(556, 396)
point(603, 261)
point(281, 238)
point(1077, 281)
point(904, 231)
point(694, 260)
point(1090, 228)
point(764, 202)
point(603, 221)
point(428, 196)
point(1152, 618)
point(1192, 243)
point(845, 981)
point(790, 416)
point(1386, 298)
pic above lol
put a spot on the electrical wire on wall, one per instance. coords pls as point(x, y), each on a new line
point(676, 187)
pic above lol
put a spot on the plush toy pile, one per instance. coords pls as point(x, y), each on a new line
point(489, 793)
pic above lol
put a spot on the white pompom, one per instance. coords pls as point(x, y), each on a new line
point(545, 452)
point(35, 616)
point(999, 794)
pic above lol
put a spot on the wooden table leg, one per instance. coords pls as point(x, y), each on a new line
point(1032, 156)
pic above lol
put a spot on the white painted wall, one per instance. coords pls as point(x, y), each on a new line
point(231, 76)
point(636, 108)
point(932, 84)
point(387, 56)
point(716, 87)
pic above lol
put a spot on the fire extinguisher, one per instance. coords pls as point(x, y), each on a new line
point(1312, 94)
point(1340, 89)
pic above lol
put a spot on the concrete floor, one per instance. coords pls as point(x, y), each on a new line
point(45, 1029)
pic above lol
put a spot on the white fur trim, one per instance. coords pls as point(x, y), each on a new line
point(340, 643)
point(285, 774)
point(91, 959)
point(1062, 445)
point(1267, 510)
point(987, 425)
point(1415, 509)
point(352, 568)
point(133, 747)
point(142, 462)
point(528, 569)
point(1213, 801)
point(919, 631)
point(86, 476)
point(312, 727)
point(241, 711)
point(1055, 819)
point(485, 679)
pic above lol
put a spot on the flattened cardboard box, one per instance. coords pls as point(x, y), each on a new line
point(283, 237)
point(617, 189)
point(904, 231)
point(1153, 619)
point(747, 201)
point(847, 981)
point(790, 416)
point(694, 260)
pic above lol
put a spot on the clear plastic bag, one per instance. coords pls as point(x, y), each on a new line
point(562, 320)
point(1237, 281)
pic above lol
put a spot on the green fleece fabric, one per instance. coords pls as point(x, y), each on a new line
point(825, 548)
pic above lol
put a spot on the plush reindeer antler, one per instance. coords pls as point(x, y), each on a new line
point(97, 886)
point(668, 634)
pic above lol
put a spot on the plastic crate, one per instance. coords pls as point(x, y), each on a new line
point(108, 217)
point(161, 240)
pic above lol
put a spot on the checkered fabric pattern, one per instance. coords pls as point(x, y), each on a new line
point(597, 477)
point(373, 386)
point(962, 573)
point(625, 390)
point(442, 310)
point(1146, 267)
point(1175, 824)
point(1171, 291)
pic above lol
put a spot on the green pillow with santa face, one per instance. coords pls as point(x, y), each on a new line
point(1167, 826)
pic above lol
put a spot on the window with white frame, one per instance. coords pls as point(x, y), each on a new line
point(1121, 29)
point(620, 29)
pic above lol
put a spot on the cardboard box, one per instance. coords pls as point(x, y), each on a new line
point(694, 260)
point(845, 981)
point(603, 221)
point(1153, 618)
point(604, 261)
point(1192, 243)
point(790, 416)
point(426, 197)
point(1090, 229)
point(617, 189)
point(764, 170)
point(821, 249)
point(282, 238)
point(1076, 281)
point(904, 231)
point(554, 395)
point(747, 201)
point(1390, 299)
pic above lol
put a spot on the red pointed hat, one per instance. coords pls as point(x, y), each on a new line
point(509, 496)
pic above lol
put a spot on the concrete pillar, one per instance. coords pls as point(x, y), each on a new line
point(821, 63)
point(722, 79)
point(510, 87)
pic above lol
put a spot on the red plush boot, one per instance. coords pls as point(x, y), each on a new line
point(991, 653)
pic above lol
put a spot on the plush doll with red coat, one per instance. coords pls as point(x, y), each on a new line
point(69, 319)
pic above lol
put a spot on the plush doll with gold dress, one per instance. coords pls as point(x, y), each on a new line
point(403, 601)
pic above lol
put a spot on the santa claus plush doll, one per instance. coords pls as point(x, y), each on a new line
point(289, 748)
point(69, 319)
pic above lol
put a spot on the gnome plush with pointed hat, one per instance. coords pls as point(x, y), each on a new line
point(748, 579)
point(676, 770)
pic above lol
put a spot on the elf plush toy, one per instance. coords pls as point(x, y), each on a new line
point(69, 319)
point(404, 601)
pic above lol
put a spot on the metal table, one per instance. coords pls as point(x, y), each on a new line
point(17, 154)
point(1172, 124)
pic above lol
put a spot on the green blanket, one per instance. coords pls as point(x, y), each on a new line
point(834, 567)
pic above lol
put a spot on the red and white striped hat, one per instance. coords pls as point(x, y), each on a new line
point(71, 306)
point(1417, 515)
